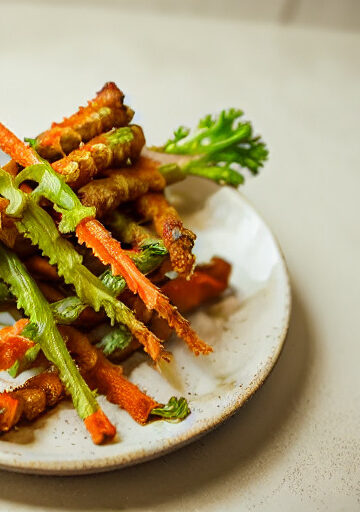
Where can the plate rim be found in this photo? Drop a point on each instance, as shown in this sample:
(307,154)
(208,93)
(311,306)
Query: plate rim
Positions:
(106,464)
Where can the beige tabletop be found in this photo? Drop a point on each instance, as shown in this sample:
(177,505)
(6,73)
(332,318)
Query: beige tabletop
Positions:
(294,68)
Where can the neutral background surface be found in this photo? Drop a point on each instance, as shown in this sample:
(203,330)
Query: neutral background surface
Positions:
(293,66)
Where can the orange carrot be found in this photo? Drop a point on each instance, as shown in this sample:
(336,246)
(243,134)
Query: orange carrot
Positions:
(10,411)
(109,251)
(15,148)
(178,240)
(101,114)
(108,380)
(14,329)
(100,428)
(13,346)
(207,282)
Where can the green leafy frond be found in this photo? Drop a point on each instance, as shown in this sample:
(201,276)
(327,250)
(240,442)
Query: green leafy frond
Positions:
(52,186)
(30,299)
(115,340)
(175,410)
(220,147)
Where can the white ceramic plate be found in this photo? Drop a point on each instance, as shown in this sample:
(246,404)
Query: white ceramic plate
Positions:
(247,328)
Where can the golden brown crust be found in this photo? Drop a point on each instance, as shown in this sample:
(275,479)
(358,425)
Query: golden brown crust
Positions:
(81,165)
(30,400)
(121,186)
(101,114)
(178,240)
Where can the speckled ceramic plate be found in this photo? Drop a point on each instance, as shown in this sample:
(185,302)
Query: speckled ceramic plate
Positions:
(246,327)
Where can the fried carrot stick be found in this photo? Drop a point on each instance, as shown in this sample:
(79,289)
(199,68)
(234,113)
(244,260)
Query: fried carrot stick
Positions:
(10,411)
(101,114)
(109,381)
(207,282)
(109,251)
(106,377)
(13,346)
(122,185)
(178,240)
(20,152)
(107,150)
(29,400)
(128,230)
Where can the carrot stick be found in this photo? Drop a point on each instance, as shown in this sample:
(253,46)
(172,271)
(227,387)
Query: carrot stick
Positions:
(14,147)
(118,390)
(100,428)
(10,411)
(13,346)
(207,282)
(101,114)
(178,240)
(109,251)
(106,377)
(30,400)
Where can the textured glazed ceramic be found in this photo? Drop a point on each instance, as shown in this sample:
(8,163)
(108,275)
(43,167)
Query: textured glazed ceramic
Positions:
(246,327)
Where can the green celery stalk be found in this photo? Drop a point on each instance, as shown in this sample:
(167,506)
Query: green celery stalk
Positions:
(44,330)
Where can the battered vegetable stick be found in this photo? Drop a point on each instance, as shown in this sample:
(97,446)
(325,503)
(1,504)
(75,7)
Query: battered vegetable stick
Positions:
(109,149)
(108,380)
(101,114)
(106,377)
(29,400)
(178,240)
(122,185)
(109,251)
(207,282)
(48,382)
(127,230)
(44,331)
(13,346)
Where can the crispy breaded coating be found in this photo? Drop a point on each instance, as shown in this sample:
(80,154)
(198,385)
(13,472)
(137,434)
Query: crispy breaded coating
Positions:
(121,186)
(207,282)
(29,400)
(107,378)
(49,383)
(79,347)
(33,402)
(101,114)
(111,149)
(178,240)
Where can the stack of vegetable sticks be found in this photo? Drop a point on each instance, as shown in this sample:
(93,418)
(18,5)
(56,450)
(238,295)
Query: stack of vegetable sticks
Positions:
(132,284)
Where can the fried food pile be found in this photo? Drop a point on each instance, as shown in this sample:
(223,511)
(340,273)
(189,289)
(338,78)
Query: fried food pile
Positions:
(96,260)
